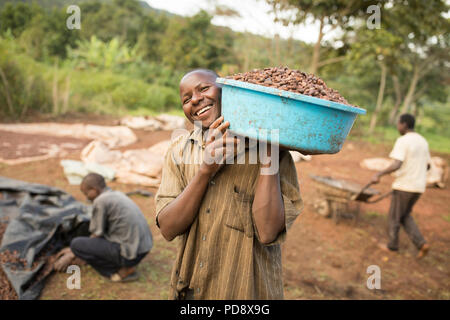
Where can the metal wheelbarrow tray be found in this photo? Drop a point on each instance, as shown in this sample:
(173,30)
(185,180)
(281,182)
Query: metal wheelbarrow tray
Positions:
(335,195)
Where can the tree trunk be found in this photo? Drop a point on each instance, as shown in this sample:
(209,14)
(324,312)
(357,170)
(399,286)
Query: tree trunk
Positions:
(373,119)
(414,109)
(66,95)
(277,49)
(398,99)
(247,54)
(6,89)
(55,93)
(316,50)
(412,88)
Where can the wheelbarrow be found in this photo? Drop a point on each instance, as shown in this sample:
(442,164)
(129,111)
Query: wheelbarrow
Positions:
(336,195)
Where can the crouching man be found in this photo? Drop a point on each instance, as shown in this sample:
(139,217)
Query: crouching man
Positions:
(120,236)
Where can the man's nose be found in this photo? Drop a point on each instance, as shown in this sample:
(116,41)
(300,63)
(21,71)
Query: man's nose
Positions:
(196,98)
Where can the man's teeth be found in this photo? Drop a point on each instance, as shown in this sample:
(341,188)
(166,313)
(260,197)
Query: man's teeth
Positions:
(203,110)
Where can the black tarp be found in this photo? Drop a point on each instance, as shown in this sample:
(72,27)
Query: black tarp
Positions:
(42,220)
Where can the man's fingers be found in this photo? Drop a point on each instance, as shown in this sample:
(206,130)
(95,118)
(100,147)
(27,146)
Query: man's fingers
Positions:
(216,133)
(213,130)
(216,122)
(223,142)
(223,126)
(223,152)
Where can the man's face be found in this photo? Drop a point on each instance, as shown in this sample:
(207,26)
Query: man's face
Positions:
(90,193)
(200,97)
(402,127)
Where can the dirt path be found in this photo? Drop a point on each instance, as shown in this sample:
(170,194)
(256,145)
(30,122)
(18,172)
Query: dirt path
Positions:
(321,260)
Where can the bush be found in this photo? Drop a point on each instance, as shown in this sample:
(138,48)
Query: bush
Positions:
(21,89)
(111,93)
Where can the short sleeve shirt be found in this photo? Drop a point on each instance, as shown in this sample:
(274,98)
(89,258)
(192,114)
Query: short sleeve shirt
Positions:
(412,150)
(118,219)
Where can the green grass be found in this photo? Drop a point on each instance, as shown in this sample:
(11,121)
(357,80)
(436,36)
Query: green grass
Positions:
(373,214)
(388,135)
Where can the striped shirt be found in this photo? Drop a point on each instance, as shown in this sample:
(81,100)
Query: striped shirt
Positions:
(220,255)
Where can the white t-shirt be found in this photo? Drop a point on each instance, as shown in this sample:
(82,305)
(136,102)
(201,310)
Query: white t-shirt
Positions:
(412,150)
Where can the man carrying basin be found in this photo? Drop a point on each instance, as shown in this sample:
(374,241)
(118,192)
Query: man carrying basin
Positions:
(411,162)
(230,219)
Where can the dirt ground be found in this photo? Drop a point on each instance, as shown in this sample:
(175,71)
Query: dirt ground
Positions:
(321,259)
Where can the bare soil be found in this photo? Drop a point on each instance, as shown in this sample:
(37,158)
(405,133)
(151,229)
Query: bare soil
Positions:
(321,259)
(17,145)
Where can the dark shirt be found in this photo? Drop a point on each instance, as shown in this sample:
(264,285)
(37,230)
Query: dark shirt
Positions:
(118,219)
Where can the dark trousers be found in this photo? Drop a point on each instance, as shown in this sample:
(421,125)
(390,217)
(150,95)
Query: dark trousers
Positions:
(103,255)
(402,203)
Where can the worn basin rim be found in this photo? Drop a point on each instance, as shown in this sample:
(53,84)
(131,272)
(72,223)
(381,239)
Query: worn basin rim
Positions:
(290,95)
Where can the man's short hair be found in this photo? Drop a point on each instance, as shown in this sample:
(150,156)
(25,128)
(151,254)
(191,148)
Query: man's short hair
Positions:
(408,119)
(203,70)
(212,72)
(94,181)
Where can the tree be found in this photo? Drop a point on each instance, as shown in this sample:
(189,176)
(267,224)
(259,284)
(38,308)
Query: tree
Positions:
(331,14)
(17,17)
(194,42)
(102,55)
(126,20)
(425,34)
(380,46)
(47,35)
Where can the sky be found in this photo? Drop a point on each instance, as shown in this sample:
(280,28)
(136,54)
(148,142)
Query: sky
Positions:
(254,17)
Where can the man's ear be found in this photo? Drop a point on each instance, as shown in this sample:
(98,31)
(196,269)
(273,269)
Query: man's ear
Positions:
(92,193)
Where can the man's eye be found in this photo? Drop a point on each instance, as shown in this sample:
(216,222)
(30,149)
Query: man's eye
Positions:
(186,101)
(204,89)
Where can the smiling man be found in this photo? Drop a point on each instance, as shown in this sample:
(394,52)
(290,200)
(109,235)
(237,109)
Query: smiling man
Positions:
(201,96)
(229,218)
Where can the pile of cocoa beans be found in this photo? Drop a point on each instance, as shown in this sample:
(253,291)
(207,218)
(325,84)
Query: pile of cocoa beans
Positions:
(297,81)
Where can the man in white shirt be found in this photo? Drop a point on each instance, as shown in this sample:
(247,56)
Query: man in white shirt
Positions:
(411,162)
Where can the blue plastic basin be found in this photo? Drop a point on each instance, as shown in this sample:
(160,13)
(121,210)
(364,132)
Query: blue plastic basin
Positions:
(304,123)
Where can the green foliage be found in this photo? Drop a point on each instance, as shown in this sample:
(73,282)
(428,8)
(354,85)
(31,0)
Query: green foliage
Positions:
(98,54)
(124,19)
(46,35)
(129,57)
(111,93)
(16,18)
(194,42)
(22,88)
(388,135)
(334,12)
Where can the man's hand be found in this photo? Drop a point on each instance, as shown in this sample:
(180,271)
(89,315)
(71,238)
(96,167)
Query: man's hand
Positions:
(396,164)
(63,259)
(179,214)
(218,147)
